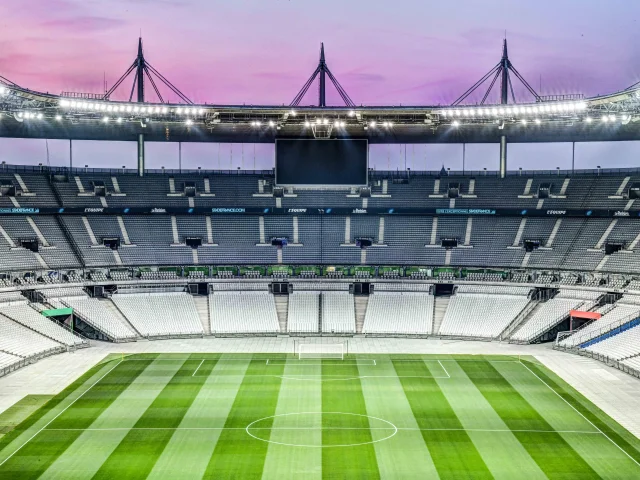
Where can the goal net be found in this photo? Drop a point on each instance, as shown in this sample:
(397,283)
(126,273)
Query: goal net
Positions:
(321,350)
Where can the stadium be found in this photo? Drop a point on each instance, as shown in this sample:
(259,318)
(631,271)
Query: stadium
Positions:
(320,318)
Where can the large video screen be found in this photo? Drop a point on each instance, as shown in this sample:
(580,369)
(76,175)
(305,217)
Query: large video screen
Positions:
(321,162)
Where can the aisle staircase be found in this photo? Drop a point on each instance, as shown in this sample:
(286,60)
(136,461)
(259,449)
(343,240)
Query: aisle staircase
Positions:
(202,307)
(521,320)
(361,302)
(116,311)
(439,309)
(282,309)
(529,311)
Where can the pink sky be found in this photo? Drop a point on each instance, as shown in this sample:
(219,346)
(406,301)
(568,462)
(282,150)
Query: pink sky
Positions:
(262,51)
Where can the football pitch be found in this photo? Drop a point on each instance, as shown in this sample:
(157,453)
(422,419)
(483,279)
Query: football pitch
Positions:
(243,416)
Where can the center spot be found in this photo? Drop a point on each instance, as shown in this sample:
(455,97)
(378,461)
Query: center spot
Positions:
(321,429)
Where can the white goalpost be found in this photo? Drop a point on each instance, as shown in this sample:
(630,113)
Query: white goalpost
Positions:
(321,350)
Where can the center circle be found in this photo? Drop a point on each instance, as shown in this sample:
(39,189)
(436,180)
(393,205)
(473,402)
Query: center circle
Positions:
(321,429)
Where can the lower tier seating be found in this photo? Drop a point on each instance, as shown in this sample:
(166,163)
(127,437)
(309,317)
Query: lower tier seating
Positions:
(481,315)
(338,312)
(304,312)
(404,313)
(95,313)
(30,318)
(22,342)
(243,312)
(160,314)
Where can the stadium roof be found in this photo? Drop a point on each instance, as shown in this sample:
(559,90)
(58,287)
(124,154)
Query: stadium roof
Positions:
(27,113)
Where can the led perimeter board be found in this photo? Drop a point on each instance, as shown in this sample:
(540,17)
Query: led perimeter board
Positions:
(302,162)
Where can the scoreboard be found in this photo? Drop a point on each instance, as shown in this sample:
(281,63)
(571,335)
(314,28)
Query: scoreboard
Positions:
(330,163)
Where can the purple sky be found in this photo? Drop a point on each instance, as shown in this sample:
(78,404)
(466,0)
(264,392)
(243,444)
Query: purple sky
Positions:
(262,51)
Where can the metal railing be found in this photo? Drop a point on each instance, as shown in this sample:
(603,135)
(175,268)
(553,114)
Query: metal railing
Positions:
(587,336)
(373,174)
(23,362)
(612,362)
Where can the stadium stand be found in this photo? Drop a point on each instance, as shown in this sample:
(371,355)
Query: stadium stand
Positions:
(621,311)
(338,313)
(618,346)
(30,318)
(553,311)
(95,313)
(243,313)
(304,312)
(404,313)
(483,312)
(164,314)
(23,342)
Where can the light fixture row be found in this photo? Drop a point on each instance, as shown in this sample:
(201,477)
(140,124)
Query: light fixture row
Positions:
(495,111)
(129,108)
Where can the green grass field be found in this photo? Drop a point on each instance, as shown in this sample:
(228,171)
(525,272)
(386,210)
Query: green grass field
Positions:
(223,416)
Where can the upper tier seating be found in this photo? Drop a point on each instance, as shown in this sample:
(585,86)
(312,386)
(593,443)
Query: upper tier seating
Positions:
(156,243)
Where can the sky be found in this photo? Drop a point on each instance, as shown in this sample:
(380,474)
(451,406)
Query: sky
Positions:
(262,51)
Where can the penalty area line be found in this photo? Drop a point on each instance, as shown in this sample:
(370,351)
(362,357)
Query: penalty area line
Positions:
(445,370)
(198,368)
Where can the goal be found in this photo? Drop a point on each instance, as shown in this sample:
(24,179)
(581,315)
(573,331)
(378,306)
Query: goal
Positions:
(321,350)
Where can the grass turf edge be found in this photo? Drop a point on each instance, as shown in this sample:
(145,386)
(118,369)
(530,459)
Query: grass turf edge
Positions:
(54,402)
(612,429)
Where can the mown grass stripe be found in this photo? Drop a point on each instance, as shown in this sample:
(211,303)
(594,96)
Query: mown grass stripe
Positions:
(501,451)
(453,452)
(345,397)
(37,456)
(300,391)
(83,458)
(188,452)
(603,456)
(404,455)
(139,450)
(555,457)
(237,455)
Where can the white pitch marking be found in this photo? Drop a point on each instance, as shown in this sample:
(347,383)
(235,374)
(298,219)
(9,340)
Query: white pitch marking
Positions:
(445,370)
(60,413)
(486,430)
(196,370)
(305,364)
(579,413)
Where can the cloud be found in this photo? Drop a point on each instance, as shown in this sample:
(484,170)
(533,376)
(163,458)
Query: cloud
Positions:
(84,24)
(364,77)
